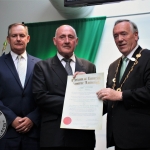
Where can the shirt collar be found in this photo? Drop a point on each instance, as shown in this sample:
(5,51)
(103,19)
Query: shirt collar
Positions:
(60,57)
(129,56)
(14,55)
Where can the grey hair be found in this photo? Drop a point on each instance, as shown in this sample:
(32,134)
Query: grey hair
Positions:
(133,25)
(16,24)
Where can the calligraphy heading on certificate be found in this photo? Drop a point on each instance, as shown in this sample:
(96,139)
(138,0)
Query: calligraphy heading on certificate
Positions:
(87,80)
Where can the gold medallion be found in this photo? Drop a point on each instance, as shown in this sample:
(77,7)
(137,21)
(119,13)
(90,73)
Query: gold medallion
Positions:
(138,55)
(118,89)
(114,79)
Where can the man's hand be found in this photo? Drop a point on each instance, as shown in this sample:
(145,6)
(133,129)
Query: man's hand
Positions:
(25,124)
(109,94)
(78,73)
(16,122)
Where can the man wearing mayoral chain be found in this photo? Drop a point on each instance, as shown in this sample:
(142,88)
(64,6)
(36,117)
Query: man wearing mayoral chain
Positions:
(127,96)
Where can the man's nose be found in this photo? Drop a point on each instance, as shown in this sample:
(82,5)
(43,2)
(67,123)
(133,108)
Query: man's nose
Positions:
(66,40)
(120,37)
(18,38)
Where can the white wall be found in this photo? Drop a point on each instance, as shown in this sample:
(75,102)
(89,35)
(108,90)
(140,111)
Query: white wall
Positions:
(42,10)
(27,11)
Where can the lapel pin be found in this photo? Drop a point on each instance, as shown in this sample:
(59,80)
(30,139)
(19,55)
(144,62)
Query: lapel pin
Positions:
(132,59)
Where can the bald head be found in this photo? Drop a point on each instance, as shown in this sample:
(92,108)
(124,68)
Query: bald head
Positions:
(65,40)
(65,26)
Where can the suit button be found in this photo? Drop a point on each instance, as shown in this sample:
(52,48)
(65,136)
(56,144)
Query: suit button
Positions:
(23,95)
(112,106)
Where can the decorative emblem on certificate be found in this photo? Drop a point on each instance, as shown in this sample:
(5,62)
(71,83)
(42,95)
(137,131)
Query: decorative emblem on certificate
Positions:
(3,125)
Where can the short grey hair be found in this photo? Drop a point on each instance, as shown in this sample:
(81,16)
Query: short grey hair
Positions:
(16,24)
(133,25)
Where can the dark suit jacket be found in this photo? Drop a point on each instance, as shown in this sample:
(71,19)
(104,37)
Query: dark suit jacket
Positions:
(15,100)
(129,120)
(49,85)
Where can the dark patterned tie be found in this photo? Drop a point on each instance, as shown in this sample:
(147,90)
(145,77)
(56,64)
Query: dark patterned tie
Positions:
(67,66)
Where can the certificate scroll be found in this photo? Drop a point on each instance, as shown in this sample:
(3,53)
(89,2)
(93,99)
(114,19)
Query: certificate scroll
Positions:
(82,108)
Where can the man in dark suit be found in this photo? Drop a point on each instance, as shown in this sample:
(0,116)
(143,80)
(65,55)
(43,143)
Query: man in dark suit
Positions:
(49,86)
(127,98)
(16,98)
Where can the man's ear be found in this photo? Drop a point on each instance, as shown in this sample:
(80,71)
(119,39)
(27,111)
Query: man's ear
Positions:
(136,36)
(28,38)
(54,40)
(8,39)
(77,41)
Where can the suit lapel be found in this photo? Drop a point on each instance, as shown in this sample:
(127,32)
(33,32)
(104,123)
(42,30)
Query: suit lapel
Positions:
(9,62)
(30,66)
(58,68)
(79,65)
(118,73)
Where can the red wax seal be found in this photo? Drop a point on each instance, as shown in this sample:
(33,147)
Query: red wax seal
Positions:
(67,120)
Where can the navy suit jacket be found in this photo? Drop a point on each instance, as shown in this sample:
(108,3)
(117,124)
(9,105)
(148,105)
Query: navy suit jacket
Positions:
(128,121)
(49,86)
(15,100)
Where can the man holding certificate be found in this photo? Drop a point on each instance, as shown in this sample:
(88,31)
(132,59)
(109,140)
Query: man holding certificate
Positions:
(49,86)
(127,96)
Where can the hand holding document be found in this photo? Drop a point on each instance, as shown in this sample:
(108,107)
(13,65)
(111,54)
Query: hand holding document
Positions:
(82,108)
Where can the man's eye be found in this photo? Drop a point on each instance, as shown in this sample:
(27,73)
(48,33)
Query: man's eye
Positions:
(71,37)
(115,36)
(123,33)
(62,37)
(22,35)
